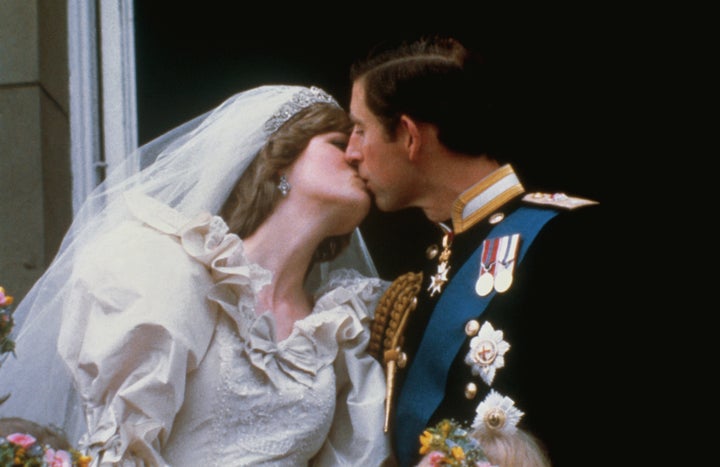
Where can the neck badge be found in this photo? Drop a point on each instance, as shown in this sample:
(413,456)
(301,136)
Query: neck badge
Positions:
(438,280)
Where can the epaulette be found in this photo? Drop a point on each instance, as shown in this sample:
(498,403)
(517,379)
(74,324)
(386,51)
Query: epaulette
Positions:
(560,200)
(386,332)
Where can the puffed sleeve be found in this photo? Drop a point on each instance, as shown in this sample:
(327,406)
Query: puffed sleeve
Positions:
(136,323)
(356,436)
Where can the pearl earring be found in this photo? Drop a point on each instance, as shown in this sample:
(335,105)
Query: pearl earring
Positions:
(284,186)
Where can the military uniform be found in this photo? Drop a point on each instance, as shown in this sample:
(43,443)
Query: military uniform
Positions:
(529,266)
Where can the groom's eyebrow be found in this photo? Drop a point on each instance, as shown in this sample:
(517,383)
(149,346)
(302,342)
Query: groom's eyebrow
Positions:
(354,119)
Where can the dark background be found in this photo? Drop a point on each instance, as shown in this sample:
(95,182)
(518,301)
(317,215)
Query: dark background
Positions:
(561,72)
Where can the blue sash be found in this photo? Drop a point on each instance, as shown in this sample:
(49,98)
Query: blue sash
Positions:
(424,387)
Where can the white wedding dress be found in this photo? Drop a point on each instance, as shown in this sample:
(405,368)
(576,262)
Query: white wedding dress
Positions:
(175,367)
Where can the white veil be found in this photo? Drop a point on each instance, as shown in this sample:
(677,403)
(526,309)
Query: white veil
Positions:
(192,168)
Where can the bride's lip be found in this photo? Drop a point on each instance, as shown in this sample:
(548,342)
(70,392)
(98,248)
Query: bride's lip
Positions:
(363,183)
(359,177)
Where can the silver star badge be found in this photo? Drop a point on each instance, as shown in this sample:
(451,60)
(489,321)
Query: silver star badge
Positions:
(486,354)
(439,279)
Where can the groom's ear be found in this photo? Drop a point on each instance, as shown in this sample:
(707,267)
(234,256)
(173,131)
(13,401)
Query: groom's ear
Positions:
(411,137)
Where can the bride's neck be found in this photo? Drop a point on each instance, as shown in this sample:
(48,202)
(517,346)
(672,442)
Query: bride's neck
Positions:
(286,251)
(285,248)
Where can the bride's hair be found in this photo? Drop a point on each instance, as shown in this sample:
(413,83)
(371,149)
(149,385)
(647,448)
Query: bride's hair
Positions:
(255,195)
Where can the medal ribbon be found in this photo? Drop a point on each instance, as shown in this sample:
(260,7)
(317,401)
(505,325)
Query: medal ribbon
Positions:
(424,387)
(489,255)
(508,251)
(509,246)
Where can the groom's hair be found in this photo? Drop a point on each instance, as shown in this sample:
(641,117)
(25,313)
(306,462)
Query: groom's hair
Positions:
(435,80)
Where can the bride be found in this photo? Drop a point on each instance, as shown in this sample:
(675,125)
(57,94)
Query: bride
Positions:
(201,310)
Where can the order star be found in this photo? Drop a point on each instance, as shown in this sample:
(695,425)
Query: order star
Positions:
(439,279)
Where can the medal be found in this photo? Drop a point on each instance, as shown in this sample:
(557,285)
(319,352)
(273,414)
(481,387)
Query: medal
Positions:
(485,281)
(438,280)
(484,284)
(497,261)
(503,279)
(507,250)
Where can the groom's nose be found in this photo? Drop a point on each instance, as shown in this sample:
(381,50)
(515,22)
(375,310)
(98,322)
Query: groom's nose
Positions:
(353,155)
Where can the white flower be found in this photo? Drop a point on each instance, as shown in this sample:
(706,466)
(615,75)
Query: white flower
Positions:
(486,353)
(497,413)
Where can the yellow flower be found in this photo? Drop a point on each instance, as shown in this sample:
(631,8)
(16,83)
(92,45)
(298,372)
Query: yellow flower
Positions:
(449,443)
(19,456)
(425,441)
(445,427)
(5,300)
(458,453)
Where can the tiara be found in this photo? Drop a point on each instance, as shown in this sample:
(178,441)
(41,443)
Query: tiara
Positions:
(300,100)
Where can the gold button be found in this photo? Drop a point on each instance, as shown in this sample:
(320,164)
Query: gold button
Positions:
(495,418)
(472,327)
(432,251)
(402,360)
(470,391)
(497,217)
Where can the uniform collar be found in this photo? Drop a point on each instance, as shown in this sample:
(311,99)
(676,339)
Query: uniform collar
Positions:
(485,197)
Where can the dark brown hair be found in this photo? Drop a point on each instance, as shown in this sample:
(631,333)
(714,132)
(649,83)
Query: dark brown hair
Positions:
(255,195)
(433,80)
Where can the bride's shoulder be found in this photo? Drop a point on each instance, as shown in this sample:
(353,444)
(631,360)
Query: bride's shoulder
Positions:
(353,281)
(350,289)
(133,252)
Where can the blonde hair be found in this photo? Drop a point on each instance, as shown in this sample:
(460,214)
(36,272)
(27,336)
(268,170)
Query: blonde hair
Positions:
(519,449)
(255,194)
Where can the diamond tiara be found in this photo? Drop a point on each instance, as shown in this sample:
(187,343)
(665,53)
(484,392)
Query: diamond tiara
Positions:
(300,100)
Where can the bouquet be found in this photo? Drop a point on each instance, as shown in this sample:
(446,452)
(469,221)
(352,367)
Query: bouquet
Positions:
(6,322)
(23,449)
(7,345)
(449,443)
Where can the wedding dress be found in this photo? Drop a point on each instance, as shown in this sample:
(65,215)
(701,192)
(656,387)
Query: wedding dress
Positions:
(141,340)
(209,384)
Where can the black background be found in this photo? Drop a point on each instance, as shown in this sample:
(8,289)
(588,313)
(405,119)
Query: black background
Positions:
(562,71)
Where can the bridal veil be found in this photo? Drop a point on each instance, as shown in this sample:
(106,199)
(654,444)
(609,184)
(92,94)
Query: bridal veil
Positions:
(191,168)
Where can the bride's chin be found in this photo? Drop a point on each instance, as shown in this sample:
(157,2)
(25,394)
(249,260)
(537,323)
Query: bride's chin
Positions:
(364,207)
(355,214)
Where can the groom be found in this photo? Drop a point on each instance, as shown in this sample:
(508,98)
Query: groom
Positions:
(510,297)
